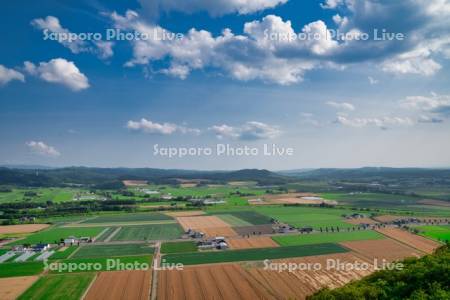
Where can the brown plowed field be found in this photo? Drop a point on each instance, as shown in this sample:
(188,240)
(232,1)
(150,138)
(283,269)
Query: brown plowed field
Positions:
(387,249)
(26,228)
(209,225)
(253,242)
(294,198)
(121,285)
(360,221)
(134,182)
(233,281)
(415,241)
(189,213)
(11,288)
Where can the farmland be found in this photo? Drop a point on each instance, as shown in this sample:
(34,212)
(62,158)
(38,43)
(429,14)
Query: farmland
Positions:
(64,253)
(125,218)
(70,287)
(440,233)
(148,232)
(89,251)
(415,241)
(55,234)
(178,247)
(253,254)
(39,195)
(20,269)
(249,216)
(308,239)
(11,288)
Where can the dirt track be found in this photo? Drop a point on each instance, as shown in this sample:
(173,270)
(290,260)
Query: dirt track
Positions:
(387,249)
(25,228)
(415,241)
(121,285)
(11,288)
(253,242)
(234,281)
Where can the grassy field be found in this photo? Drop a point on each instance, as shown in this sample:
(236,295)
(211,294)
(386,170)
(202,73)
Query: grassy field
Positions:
(55,234)
(99,264)
(106,234)
(233,221)
(437,232)
(20,269)
(64,254)
(129,217)
(113,250)
(307,216)
(252,254)
(68,287)
(178,247)
(249,216)
(318,238)
(41,195)
(149,232)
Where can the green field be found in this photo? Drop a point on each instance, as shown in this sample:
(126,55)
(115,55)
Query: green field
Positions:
(249,216)
(149,232)
(307,216)
(68,287)
(437,232)
(106,234)
(99,264)
(64,254)
(113,250)
(253,254)
(129,217)
(233,221)
(39,195)
(178,247)
(55,234)
(318,238)
(20,269)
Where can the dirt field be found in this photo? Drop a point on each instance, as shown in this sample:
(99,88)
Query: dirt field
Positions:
(189,213)
(387,249)
(209,225)
(360,221)
(252,230)
(122,285)
(415,241)
(26,228)
(253,242)
(235,281)
(295,198)
(11,288)
(134,182)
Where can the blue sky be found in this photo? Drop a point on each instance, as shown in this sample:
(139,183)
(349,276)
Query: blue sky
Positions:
(337,103)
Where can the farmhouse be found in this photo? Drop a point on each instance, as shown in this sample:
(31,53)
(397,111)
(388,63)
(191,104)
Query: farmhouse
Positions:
(41,247)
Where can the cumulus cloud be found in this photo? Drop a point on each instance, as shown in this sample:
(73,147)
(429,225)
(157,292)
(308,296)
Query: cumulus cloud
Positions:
(214,8)
(7,75)
(341,105)
(43,149)
(436,104)
(52,25)
(380,122)
(61,71)
(148,126)
(249,131)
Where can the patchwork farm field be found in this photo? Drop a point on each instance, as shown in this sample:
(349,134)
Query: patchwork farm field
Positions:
(252,254)
(124,218)
(149,232)
(20,269)
(133,285)
(436,232)
(89,251)
(307,216)
(415,241)
(178,247)
(317,238)
(55,234)
(63,253)
(39,195)
(11,288)
(249,216)
(67,286)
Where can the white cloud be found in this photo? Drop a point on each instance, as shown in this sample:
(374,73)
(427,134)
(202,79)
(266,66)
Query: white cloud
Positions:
(380,122)
(7,75)
(43,149)
(437,104)
(342,105)
(372,80)
(214,8)
(331,4)
(429,119)
(52,26)
(61,71)
(148,126)
(249,131)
